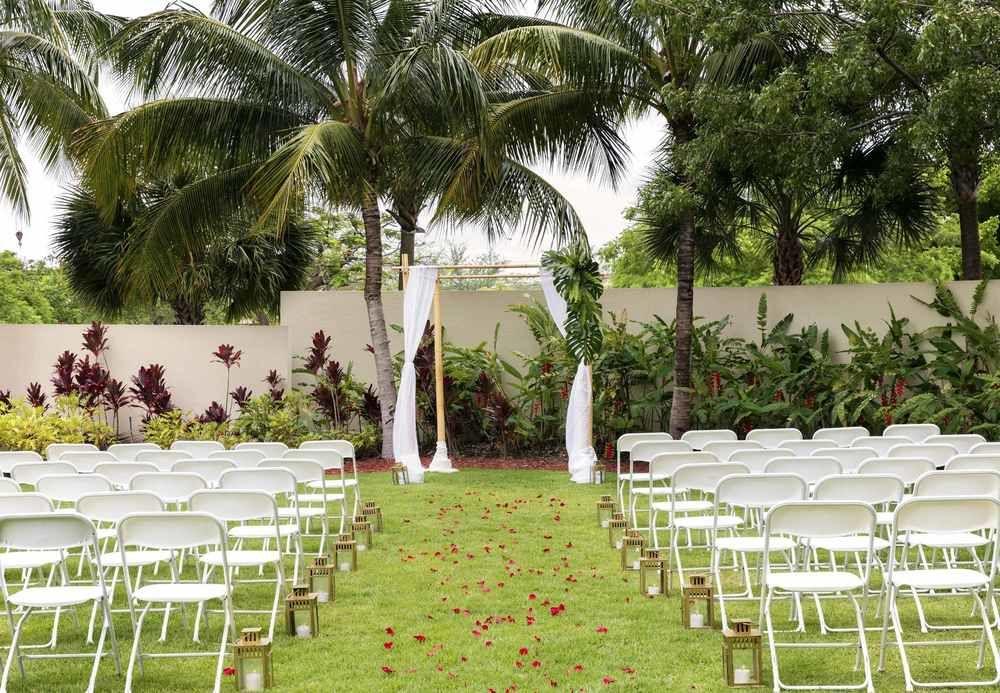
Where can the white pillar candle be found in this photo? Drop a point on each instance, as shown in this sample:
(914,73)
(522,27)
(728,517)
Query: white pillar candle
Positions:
(652,590)
(741,675)
(362,546)
(635,565)
(697,620)
(605,523)
(618,544)
(253,681)
(322,597)
(303,631)
(345,566)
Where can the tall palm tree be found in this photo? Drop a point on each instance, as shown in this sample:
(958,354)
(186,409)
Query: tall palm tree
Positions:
(350,104)
(48,85)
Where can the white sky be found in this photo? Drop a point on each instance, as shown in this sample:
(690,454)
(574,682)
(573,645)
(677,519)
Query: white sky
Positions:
(600,207)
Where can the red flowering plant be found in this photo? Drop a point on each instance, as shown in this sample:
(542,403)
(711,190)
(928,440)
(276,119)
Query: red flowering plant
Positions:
(229,356)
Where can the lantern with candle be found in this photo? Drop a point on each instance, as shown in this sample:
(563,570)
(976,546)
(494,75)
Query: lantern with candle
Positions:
(252,657)
(361,528)
(345,554)
(373,514)
(631,552)
(616,533)
(302,612)
(321,580)
(605,508)
(652,574)
(697,602)
(400,475)
(742,655)
(597,473)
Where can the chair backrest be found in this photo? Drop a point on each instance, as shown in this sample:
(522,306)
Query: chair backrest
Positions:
(815,519)
(841,436)
(908,469)
(757,459)
(760,490)
(704,477)
(121,473)
(171,487)
(948,515)
(9,485)
(28,473)
(270,449)
(698,439)
(236,506)
(880,444)
(171,530)
(875,489)
(774,437)
(46,531)
(967,483)
(56,450)
(647,450)
(627,441)
(24,503)
(304,471)
(724,449)
(245,459)
(126,452)
(850,458)
(163,459)
(963,442)
(112,507)
(68,488)
(197,448)
(915,433)
(804,448)
(812,469)
(985,449)
(208,469)
(328,459)
(974,461)
(344,447)
(273,480)
(938,453)
(86,462)
(666,463)
(9,458)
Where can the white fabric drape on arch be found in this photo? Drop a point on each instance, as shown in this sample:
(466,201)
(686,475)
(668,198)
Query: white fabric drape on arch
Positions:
(579,448)
(417,301)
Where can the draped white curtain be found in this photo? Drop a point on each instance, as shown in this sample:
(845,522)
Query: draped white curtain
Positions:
(417,301)
(578,411)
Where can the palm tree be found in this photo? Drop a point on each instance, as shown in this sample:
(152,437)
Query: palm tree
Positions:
(351,105)
(48,85)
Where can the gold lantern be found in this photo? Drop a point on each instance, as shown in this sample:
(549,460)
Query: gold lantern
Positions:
(616,533)
(362,531)
(252,660)
(345,554)
(373,514)
(321,580)
(631,551)
(742,654)
(302,612)
(605,508)
(617,515)
(597,473)
(400,475)
(697,602)
(652,574)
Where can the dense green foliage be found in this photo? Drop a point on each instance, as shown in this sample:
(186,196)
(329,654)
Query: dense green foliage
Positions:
(24,427)
(36,292)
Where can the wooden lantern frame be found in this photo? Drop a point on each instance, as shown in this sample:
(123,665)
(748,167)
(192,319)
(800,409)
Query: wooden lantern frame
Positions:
(741,637)
(321,574)
(597,473)
(698,590)
(633,545)
(400,475)
(652,564)
(605,509)
(345,545)
(299,602)
(252,647)
(617,529)
(361,525)
(373,514)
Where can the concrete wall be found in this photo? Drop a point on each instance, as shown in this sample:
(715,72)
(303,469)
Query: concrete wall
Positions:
(470,317)
(29,352)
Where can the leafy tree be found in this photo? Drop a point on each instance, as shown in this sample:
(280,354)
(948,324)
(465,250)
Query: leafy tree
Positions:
(36,292)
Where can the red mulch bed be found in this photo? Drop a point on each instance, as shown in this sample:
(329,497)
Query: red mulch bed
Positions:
(549,463)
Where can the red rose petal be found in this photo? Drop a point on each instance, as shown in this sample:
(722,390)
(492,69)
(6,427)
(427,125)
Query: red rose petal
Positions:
(387,645)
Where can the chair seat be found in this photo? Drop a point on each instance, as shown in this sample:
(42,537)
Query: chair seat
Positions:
(696,506)
(654,491)
(181,592)
(48,597)
(848,544)
(940,578)
(640,476)
(113,559)
(303,512)
(242,558)
(707,522)
(815,581)
(21,560)
(943,540)
(753,544)
(333,483)
(261,531)
(318,497)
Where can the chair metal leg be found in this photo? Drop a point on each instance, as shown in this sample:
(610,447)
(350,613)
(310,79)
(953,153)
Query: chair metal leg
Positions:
(14,651)
(136,654)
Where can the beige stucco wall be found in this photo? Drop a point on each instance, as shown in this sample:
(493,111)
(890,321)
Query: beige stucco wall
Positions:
(470,317)
(29,352)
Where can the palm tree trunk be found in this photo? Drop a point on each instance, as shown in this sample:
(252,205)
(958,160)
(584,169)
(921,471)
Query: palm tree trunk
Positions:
(789,266)
(680,408)
(407,218)
(187,312)
(964,173)
(376,317)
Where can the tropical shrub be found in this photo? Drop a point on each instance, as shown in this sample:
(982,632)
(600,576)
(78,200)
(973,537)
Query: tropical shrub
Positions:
(25,427)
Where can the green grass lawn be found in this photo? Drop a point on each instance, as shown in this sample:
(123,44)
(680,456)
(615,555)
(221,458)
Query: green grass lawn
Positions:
(457,595)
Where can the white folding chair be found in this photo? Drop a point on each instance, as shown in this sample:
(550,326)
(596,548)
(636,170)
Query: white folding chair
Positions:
(850,458)
(311,503)
(908,469)
(985,449)
(880,444)
(803,448)
(958,515)
(963,442)
(85,462)
(243,459)
(344,447)
(175,532)
(644,452)
(811,469)
(841,436)
(239,509)
(725,449)
(173,488)
(757,459)
(197,448)
(953,482)
(938,453)
(9,458)
(698,439)
(773,437)
(810,521)
(330,460)
(56,450)
(661,469)
(752,493)
(625,444)
(60,533)
(9,485)
(163,459)
(64,490)
(914,433)
(974,461)
(268,449)
(126,452)
(207,468)
(121,473)
(28,473)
